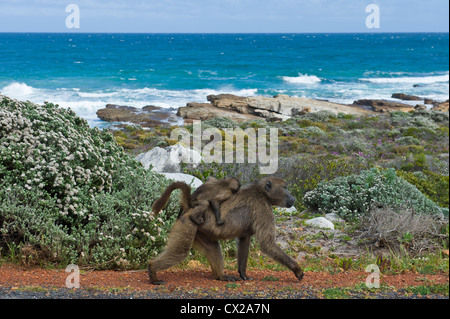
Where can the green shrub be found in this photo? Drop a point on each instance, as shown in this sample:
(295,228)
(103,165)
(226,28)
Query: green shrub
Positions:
(314,131)
(220,122)
(320,116)
(433,185)
(353,196)
(305,173)
(408,140)
(416,162)
(72,193)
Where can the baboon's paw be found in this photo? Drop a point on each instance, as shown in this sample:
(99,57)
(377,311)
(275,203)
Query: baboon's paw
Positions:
(230,278)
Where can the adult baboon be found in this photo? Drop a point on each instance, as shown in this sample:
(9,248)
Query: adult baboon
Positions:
(211,193)
(247,213)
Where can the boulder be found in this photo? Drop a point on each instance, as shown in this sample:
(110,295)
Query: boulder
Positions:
(292,105)
(419,107)
(384,106)
(320,222)
(180,177)
(271,116)
(168,160)
(406,97)
(229,101)
(265,103)
(148,116)
(206,111)
(333,217)
(278,108)
(440,106)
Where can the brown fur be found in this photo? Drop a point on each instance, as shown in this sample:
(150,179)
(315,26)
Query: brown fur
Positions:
(211,194)
(185,201)
(247,213)
(180,241)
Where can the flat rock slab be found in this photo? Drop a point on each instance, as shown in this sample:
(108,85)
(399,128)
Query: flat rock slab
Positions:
(148,116)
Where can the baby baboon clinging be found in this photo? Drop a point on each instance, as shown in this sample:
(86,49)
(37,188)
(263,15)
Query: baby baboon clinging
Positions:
(212,193)
(247,213)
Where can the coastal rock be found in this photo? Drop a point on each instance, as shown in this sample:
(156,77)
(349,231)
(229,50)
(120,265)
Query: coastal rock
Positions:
(206,111)
(443,106)
(168,160)
(320,222)
(229,101)
(148,116)
(278,108)
(271,116)
(265,103)
(384,106)
(406,97)
(420,107)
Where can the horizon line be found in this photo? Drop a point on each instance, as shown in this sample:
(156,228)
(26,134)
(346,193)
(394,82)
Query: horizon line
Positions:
(123,32)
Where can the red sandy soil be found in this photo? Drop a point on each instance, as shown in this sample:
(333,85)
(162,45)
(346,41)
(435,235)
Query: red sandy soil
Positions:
(14,277)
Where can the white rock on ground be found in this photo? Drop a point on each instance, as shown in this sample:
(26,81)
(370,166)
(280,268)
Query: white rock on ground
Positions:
(332,217)
(320,222)
(169,159)
(180,177)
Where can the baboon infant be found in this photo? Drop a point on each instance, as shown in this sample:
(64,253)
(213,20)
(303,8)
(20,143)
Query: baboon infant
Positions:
(212,193)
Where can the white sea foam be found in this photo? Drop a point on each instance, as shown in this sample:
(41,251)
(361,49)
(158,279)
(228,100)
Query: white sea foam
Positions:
(301,79)
(85,104)
(409,79)
(17,90)
(97,94)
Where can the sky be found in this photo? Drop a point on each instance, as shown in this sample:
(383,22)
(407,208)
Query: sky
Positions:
(223,16)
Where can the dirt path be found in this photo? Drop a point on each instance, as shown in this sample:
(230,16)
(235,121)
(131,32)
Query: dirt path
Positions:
(17,282)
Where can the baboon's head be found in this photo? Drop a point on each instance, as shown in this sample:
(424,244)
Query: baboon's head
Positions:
(275,189)
(225,188)
(233,184)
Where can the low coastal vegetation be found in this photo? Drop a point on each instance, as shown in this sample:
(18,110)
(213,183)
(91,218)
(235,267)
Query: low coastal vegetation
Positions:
(72,194)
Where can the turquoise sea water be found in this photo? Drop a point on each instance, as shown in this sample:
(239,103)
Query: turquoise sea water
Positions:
(87,71)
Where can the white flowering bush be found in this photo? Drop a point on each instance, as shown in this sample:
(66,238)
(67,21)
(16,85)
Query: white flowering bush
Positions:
(72,193)
(353,196)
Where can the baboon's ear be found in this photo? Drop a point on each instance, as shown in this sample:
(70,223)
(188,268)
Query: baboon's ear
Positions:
(268,186)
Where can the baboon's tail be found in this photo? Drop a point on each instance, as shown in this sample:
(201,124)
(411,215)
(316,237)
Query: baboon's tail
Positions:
(185,200)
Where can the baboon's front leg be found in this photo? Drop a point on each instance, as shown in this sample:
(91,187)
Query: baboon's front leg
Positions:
(242,255)
(269,247)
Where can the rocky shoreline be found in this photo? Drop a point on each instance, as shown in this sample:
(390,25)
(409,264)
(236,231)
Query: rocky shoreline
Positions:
(281,107)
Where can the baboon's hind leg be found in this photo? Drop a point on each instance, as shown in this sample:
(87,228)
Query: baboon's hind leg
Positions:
(179,243)
(213,253)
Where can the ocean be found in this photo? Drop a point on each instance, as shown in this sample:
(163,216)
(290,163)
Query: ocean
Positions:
(87,71)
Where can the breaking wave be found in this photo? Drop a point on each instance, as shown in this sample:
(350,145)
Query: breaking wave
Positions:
(301,79)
